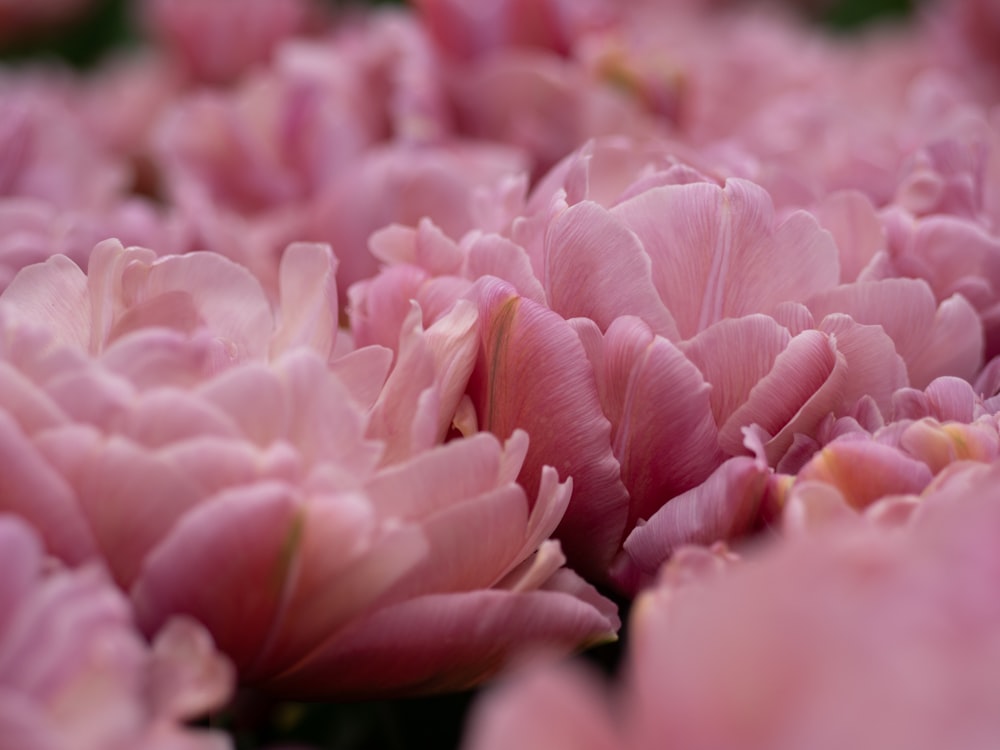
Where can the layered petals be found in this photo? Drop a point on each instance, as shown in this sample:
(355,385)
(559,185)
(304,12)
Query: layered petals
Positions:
(509,391)
(716,251)
(75,672)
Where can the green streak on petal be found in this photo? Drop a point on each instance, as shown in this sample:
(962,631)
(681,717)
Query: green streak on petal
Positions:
(289,551)
(503,323)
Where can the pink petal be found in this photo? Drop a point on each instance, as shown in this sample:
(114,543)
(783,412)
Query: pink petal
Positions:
(851,218)
(864,471)
(663,431)
(717,253)
(724,506)
(533,374)
(245,542)
(188,677)
(805,384)
(52,294)
(493,255)
(443,642)
(734,355)
(32,488)
(227,298)
(928,338)
(553,708)
(596,268)
(308,299)
(874,369)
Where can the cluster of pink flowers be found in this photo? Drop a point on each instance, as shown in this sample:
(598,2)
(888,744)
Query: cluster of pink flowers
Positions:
(348,356)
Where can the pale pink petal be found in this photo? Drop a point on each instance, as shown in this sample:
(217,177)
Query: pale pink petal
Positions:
(864,471)
(595,267)
(734,355)
(425,246)
(131,500)
(418,402)
(308,299)
(161,417)
(254,399)
(52,294)
(436,479)
(188,677)
(226,297)
(718,253)
(379,307)
(363,372)
(31,487)
(551,708)
(939,445)
(851,218)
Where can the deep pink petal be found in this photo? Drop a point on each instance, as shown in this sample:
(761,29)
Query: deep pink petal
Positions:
(724,506)
(533,374)
(246,541)
(443,642)
(663,431)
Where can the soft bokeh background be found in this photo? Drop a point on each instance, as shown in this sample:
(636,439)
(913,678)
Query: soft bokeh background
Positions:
(255,720)
(104,24)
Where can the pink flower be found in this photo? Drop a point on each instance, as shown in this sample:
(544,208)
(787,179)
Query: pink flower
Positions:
(45,152)
(164,420)
(468,30)
(673,284)
(855,636)
(218,40)
(75,673)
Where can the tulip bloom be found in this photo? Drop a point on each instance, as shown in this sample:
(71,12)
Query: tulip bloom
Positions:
(852,636)
(163,419)
(76,673)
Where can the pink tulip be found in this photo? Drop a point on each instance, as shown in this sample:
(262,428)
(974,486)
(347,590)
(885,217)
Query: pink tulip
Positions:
(893,628)
(75,673)
(217,41)
(666,304)
(45,152)
(468,30)
(32,230)
(158,416)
